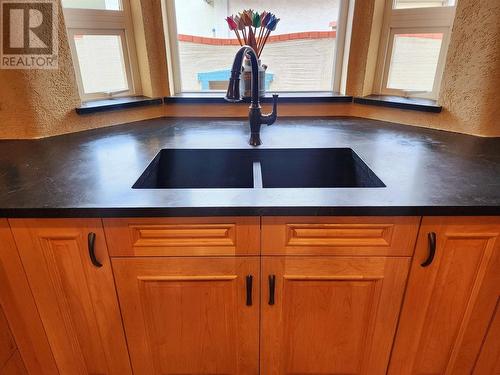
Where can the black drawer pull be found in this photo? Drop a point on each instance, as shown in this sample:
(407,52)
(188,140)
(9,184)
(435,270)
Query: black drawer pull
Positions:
(432,249)
(91,243)
(249,290)
(272,287)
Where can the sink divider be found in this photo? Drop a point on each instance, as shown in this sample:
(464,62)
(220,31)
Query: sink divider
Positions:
(257,175)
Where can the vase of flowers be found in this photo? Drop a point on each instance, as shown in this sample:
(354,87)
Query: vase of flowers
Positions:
(253,29)
(246,79)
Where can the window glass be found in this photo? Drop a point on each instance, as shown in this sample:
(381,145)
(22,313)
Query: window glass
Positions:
(93,4)
(299,54)
(406,4)
(101,62)
(414,61)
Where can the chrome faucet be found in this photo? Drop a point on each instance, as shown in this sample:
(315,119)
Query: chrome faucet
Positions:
(255,115)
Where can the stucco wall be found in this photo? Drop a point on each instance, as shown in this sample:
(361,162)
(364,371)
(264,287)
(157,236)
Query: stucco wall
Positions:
(36,103)
(471,80)
(40,103)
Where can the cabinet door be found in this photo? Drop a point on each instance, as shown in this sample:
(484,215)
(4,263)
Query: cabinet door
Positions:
(450,318)
(331,315)
(190,315)
(76,300)
(20,309)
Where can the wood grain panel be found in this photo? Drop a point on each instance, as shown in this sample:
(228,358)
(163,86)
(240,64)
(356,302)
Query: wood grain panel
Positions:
(339,235)
(211,236)
(332,315)
(20,309)
(7,343)
(189,315)
(449,305)
(488,361)
(14,366)
(76,301)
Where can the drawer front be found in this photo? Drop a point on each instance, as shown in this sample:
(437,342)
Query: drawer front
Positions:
(339,235)
(209,236)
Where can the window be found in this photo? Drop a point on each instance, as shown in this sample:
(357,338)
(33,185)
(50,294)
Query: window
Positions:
(413,47)
(304,53)
(102,46)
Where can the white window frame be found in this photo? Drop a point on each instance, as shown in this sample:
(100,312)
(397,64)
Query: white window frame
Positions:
(412,21)
(172,46)
(105,22)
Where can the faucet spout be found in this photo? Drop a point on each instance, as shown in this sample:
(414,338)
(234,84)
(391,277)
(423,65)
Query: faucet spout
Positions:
(255,116)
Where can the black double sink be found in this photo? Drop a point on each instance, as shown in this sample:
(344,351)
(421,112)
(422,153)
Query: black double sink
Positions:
(257,168)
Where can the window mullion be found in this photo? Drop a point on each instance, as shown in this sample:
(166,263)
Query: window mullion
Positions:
(94,19)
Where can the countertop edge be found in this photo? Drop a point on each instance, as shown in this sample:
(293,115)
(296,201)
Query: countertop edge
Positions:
(248,211)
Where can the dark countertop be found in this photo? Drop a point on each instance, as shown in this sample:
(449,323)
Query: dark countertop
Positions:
(90,174)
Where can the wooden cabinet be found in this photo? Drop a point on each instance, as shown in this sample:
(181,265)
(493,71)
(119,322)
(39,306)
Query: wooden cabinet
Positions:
(190,315)
(325,297)
(21,311)
(329,235)
(76,301)
(10,360)
(183,236)
(331,315)
(450,322)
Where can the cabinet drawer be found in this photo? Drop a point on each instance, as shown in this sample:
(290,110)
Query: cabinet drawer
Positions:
(339,235)
(208,236)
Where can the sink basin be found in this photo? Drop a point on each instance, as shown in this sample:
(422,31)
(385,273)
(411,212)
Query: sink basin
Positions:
(316,168)
(197,169)
(257,168)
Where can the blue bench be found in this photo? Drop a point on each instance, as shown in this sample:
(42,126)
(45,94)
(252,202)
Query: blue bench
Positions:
(223,75)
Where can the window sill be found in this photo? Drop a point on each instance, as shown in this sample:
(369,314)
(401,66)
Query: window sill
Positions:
(284,97)
(414,104)
(112,104)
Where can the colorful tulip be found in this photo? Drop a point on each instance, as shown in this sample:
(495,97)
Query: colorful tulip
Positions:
(262,15)
(259,26)
(266,19)
(271,26)
(232,25)
(256,20)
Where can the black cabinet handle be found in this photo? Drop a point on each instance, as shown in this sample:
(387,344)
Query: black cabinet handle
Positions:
(432,249)
(91,243)
(249,290)
(272,287)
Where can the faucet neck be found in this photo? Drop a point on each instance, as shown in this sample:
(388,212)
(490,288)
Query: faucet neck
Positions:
(254,63)
(233,89)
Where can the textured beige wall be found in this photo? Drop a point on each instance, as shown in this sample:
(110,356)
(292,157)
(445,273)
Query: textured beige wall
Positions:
(471,80)
(469,90)
(40,103)
(367,27)
(360,44)
(150,44)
